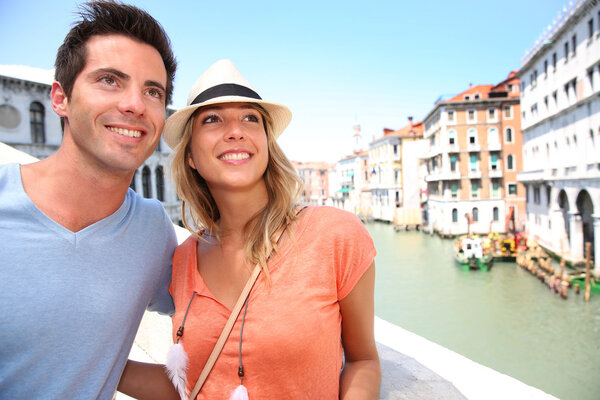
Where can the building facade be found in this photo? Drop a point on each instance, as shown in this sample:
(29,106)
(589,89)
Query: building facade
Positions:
(315,176)
(353,193)
(473,158)
(560,86)
(28,123)
(387,172)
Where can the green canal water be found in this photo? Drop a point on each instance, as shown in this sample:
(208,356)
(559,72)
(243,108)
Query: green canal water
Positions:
(504,319)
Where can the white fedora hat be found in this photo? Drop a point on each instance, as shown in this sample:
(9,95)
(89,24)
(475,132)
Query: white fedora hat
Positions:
(222,83)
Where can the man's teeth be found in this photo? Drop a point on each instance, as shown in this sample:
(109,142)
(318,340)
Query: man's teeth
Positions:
(126,132)
(234,156)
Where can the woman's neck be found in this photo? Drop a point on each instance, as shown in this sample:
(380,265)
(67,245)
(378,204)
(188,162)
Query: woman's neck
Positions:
(237,209)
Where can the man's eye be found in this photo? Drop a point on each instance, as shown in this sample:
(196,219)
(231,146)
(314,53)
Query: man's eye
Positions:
(108,80)
(156,93)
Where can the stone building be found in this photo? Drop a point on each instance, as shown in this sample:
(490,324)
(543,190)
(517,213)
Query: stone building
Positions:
(315,176)
(473,158)
(28,123)
(388,164)
(560,102)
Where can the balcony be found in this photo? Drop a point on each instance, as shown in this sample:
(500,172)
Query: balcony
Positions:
(452,148)
(434,151)
(495,172)
(494,146)
(471,147)
(475,174)
(450,176)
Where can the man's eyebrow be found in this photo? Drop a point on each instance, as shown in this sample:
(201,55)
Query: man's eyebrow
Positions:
(124,76)
(155,84)
(113,71)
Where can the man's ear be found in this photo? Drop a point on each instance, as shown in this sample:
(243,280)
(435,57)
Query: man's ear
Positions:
(59,99)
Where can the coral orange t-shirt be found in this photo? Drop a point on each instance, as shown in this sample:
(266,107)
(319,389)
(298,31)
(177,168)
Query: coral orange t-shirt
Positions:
(291,345)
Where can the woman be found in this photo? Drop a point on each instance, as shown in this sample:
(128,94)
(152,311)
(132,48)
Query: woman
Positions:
(309,316)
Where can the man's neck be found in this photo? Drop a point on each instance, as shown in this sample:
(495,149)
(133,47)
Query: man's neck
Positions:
(72,195)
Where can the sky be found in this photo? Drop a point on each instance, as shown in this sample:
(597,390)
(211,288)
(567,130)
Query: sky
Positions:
(333,63)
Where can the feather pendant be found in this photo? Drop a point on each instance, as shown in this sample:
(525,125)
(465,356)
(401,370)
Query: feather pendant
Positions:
(177,363)
(240,393)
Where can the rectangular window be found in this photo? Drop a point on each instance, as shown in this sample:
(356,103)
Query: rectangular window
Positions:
(507,112)
(554,62)
(545,68)
(471,115)
(512,189)
(590,28)
(473,163)
(453,163)
(494,163)
(454,190)
(574,45)
(495,189)
(474,188)
(451,116)
(536,195)
(566,51)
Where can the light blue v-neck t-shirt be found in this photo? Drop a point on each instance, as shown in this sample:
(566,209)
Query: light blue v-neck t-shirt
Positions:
(71,302)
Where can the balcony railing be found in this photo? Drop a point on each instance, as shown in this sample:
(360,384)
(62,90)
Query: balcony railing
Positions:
(476,174)
(495,173)
(473,147)
(494,146)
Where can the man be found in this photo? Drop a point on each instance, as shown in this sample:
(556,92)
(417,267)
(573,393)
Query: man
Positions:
(81,255)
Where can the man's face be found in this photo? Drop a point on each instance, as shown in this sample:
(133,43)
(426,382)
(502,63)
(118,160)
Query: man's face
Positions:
(116,112)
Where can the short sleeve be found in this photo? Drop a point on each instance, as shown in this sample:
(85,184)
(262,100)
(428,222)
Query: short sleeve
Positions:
(353,247)
(162,302)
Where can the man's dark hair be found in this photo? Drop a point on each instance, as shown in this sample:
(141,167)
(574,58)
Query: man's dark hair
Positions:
(106,18)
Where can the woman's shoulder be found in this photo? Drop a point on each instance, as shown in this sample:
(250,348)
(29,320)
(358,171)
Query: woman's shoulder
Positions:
(332,217)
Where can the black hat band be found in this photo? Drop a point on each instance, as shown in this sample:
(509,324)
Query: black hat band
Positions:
(225,89)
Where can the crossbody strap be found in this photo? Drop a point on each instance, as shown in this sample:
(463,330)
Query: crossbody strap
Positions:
(225,333)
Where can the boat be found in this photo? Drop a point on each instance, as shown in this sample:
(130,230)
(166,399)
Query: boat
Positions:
(469,254)
(580,280)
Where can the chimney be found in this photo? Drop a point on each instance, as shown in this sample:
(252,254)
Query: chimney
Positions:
(410,119)
(470,85)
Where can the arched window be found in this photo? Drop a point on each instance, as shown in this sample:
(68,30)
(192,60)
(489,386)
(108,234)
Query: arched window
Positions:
(475,214)
(496,214)
(510,162)
(36,119)
(132,183)
(508,135)
(160,183)
(146,182)
(454,215)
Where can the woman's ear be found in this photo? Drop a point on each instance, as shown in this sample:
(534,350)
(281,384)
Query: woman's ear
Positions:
(190,161)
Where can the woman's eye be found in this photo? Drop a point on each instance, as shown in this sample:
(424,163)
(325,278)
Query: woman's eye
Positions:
(210,119)
(252,118)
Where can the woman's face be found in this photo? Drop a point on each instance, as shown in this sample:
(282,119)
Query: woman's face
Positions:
(228,147)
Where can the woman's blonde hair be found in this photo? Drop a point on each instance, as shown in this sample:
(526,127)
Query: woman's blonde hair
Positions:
(283,188)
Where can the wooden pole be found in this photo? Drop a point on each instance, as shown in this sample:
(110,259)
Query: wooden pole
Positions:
(588,253)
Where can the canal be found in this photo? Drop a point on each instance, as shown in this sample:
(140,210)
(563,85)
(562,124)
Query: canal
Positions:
(504,319)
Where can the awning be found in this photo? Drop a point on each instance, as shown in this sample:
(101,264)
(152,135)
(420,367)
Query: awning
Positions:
(344,190)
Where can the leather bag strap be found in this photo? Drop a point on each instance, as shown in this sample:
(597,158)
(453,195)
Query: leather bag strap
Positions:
(225,333)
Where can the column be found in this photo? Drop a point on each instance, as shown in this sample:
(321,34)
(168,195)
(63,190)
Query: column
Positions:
(596,245)
(576,237)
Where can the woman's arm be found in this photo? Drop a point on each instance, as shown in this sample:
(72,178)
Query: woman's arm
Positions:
(146,382)
(361,376)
